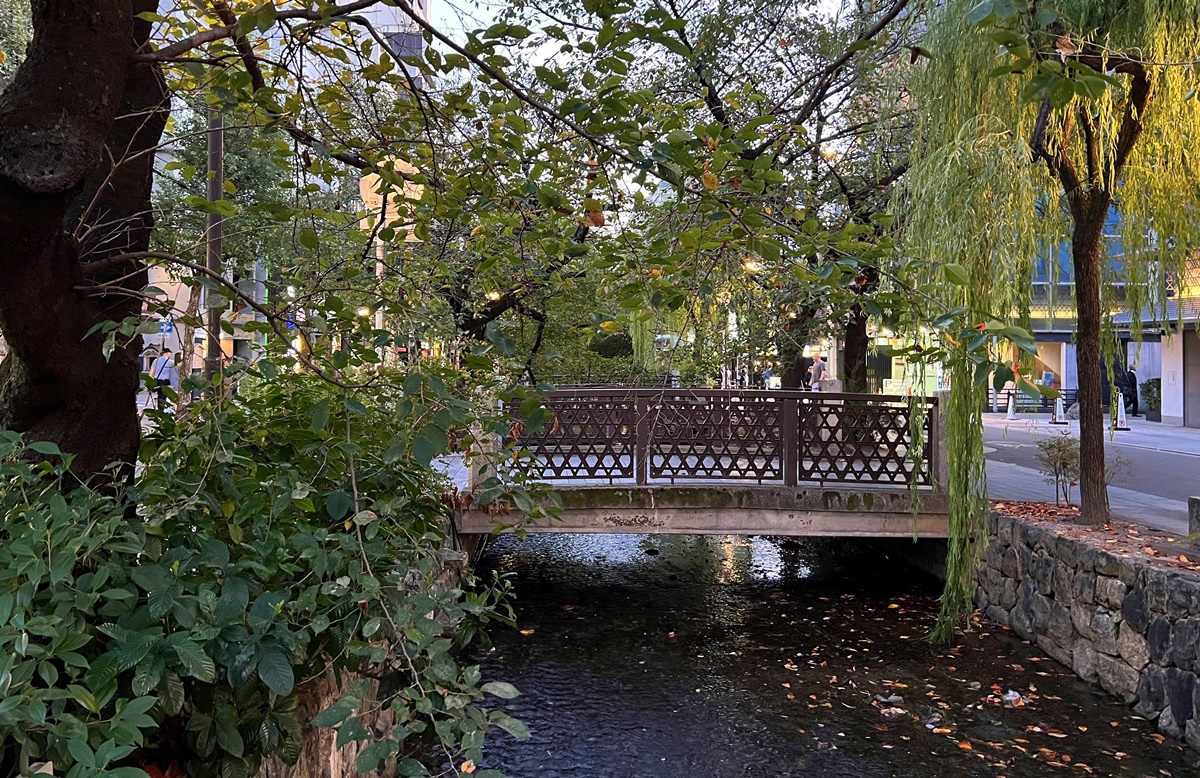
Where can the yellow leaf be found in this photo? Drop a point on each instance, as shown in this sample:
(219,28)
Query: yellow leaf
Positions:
(2,57)
(467,767)
(710,181)
(527,631)
(965,746)
(478,229)
(609,326)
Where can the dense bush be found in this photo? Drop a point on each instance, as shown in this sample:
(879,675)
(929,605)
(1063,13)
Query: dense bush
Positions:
(278,536)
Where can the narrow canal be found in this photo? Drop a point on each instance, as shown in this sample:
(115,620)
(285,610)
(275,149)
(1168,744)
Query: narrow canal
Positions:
(646,656)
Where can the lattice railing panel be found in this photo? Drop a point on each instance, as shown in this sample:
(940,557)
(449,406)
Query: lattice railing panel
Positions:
(584,438)
(786,437)
(734,437)
(858,442)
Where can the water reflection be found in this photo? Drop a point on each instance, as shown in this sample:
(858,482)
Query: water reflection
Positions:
(705,656)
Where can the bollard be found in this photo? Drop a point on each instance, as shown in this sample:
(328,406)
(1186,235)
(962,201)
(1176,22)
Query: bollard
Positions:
(1119,423)
(1059,416)
(1193,515)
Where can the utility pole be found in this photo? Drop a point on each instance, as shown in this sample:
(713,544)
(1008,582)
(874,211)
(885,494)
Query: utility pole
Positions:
(214,233)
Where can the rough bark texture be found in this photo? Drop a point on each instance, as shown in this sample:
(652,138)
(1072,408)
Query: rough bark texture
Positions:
(1085,254)
(74,189)
(320,756)
(855,350)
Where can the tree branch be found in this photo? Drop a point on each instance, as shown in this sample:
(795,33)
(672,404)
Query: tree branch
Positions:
(229,29)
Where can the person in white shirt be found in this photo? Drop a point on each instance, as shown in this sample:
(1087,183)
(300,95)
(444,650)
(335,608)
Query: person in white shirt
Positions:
(161,372)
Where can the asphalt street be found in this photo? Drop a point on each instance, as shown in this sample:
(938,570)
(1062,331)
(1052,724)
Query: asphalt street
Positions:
(1171,474)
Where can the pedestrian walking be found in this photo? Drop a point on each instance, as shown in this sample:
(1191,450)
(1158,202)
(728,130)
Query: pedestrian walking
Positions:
(1131,381)
(160,372)
(816,373)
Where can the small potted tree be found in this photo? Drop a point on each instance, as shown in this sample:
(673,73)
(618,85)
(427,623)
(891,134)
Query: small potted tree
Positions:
(1152,399)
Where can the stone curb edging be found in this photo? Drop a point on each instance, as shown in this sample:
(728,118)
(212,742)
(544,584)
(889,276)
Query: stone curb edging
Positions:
(1128,625)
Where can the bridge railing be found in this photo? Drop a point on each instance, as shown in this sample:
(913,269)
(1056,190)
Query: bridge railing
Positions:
(655,436)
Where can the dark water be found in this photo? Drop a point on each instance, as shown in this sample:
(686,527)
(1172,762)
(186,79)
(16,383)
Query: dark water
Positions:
(693,656)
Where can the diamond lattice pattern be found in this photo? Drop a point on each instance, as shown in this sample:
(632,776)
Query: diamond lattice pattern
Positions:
(715,438)
(841,441)
(586,438)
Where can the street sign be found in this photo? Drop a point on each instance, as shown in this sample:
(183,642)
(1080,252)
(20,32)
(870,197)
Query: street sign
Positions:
(166,327)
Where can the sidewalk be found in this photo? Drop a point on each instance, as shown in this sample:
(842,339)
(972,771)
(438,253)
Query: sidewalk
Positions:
(1008,481)
(1143,434)
(1013,482)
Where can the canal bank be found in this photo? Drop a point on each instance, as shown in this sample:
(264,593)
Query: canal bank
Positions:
(719,656)
(1120,609)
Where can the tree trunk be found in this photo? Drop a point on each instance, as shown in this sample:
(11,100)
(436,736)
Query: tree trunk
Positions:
(854,353)
(59,136)
(1085,255)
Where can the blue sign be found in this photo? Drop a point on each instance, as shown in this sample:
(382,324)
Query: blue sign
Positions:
(166,327)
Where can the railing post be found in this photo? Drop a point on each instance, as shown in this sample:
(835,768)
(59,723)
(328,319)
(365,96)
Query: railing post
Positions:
(641,445)
(790,456)
(939,461)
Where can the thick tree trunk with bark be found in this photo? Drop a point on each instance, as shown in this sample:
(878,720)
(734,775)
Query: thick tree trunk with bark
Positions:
(78,125)
(1085,255)
(855,350)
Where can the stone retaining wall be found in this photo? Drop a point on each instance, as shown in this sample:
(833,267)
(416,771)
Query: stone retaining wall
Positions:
(1130,626)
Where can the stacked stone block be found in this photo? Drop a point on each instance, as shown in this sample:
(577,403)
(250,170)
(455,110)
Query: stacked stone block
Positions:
(1130,626)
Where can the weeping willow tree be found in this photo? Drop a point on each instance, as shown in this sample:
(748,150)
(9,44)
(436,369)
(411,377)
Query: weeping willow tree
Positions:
(976,273)
(1065,115)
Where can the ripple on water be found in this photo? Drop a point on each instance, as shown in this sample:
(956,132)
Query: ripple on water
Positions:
(726,656)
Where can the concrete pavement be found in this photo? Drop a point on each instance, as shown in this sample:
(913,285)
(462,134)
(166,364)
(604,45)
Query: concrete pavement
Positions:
(1162,468)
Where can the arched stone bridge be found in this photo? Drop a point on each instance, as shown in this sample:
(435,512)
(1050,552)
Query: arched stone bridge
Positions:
(743,462)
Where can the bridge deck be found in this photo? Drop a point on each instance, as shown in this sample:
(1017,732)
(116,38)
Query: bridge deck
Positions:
(729,509)
(734,462)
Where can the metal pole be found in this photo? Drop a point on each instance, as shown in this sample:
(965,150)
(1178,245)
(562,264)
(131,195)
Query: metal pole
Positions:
(213,235)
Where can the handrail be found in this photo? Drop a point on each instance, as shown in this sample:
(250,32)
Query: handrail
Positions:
(788,437)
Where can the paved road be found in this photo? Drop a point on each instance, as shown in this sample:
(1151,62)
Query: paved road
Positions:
(1171,474)
(1161,470)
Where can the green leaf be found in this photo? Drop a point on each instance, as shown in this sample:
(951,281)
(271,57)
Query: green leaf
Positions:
(84,697)
(195,662)
(320,415)
(338,504)
(956,274)
(1001,376)
(422,450)
(331,716)
(46,447)
(514,727)
(981,12)
(275,671)
(228,737)
(501,689)
(308,238)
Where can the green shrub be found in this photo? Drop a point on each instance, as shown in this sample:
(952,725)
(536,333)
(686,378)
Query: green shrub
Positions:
(1152,394)
(68,560)
(279,535)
